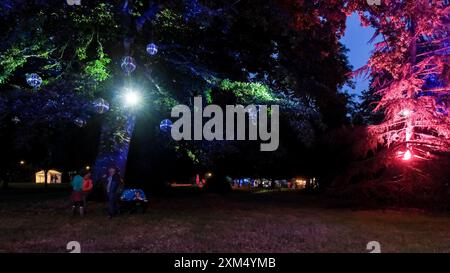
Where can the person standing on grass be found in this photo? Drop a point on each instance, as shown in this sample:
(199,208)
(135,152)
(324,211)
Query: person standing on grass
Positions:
(112,182)
(77,194)
(87,187)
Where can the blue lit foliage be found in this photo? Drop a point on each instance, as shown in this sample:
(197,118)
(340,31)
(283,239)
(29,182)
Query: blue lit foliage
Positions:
(115,143)
(5,6)
(148,15)
(434,82)
(202,41)
(193,9)
(49,108)
(3,109)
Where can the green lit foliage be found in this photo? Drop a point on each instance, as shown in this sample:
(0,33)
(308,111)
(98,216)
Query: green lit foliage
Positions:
(101,16)
(166,102)
(12,59)
(212,54)
(98,69)
(192,156)
(208,96)
(169,20)
(17,55)
(189,152)
(95,21)
(247,92)
(81,50)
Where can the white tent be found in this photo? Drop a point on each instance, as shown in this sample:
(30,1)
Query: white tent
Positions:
(53,177)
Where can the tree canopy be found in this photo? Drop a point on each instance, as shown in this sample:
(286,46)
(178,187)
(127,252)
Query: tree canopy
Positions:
(225,51)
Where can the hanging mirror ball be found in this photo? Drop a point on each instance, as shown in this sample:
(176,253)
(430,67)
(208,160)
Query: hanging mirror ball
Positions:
(34,80)
(128,65)
(80,122)
(100,106)
(165,125)
(15,120)
(152,49)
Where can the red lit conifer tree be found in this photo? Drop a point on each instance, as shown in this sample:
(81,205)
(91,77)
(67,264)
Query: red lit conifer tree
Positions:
(410,68)
(410,80)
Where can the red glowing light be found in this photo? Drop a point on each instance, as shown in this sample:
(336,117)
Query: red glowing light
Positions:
(407,156)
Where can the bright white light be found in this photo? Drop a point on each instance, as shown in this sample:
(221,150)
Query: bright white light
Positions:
(407,156)
(131,97)
(406,113)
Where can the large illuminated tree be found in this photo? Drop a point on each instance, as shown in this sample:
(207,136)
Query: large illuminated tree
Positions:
(410,68)
(205,47)
(404,156)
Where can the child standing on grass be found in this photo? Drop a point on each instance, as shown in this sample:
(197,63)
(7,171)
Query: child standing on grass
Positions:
(87,187)
(77,194)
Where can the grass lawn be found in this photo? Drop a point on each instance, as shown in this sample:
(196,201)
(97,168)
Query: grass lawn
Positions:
(194,222)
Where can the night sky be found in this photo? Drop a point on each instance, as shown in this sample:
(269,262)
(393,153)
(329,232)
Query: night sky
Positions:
(356,40)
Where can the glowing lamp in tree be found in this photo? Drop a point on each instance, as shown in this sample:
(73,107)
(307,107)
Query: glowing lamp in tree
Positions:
(34,80)
(406,113)
(131,98)
(407,155)
(152,49)
(128,65)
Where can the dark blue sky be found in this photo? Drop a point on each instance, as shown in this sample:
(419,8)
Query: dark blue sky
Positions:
(356,39)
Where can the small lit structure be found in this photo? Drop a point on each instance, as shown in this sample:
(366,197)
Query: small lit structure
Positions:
(53,177)
(300,183)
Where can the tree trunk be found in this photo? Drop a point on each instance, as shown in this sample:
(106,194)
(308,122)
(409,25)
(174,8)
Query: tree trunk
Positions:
(114,144)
